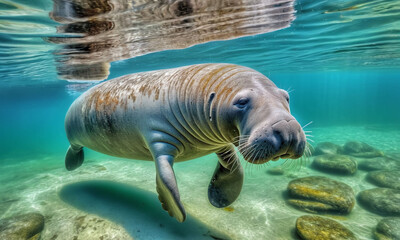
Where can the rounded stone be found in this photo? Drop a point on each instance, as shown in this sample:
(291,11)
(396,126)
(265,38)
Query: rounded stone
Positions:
(321,194)
(387,179)
(334,163)
(26,226)
(316,228)
(379,163)
(382,201)
(360,149)
(388,229)
(276,171)
(326,148)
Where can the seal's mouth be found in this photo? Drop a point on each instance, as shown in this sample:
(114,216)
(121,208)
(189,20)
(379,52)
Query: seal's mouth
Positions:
(260,155)
(283,140)
(264,159)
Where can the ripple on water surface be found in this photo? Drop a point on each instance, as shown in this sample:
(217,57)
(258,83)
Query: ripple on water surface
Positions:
(322,35)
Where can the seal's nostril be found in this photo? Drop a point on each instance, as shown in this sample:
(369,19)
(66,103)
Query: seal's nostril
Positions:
(276,141)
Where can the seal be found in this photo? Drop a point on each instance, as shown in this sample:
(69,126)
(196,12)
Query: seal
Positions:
(179,114)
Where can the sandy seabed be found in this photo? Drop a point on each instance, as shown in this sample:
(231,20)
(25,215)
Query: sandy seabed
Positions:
(111,198)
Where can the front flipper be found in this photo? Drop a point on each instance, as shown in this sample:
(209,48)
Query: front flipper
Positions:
(167,189)
(227,181)
(74,158)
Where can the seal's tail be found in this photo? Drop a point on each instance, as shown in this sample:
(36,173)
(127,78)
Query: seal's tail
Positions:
(74,158)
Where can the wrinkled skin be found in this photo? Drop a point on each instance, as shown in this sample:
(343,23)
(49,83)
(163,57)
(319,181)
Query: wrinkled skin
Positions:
(180,114)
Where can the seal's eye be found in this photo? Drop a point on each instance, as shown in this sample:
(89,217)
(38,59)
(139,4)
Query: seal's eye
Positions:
(242,102)
(286,95)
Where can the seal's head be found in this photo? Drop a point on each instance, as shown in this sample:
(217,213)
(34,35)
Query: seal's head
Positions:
(267,130)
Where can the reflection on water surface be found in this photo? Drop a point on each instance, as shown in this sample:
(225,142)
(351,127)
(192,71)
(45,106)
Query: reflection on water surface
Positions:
(102,31)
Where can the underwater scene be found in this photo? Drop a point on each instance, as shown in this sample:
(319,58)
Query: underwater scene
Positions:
(199,119)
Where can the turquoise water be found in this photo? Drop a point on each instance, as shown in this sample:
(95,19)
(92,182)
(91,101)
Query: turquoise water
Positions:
(339,60)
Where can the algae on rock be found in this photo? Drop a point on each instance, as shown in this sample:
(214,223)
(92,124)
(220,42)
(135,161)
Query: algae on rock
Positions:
(321,194)
(326,148)
(388,179)
(379,163)
(383,201)
(360,149)
(310,227)
(388,229)
(335,163)
(22,227)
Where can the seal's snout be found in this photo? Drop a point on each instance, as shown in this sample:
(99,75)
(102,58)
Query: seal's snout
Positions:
(284,139)
(292,139)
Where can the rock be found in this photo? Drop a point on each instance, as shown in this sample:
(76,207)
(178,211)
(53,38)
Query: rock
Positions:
(360,149)
(334,163)
(388,229)
(91,227)
(321,194)
(383,201)
(75,225)
(292,175)
(276,171)
(21,227)
(388,179)
(379,163)
(316,228)
(326,148)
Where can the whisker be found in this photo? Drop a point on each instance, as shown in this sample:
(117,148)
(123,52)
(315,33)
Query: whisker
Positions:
(246,153)
(286,164)
(307,152)
(257,156)
(251,158)
(248,162)
(307,124)
(237,156)
(250,154)
(310,144)
(267,164)
(231,158)
(290,90)
(237,138)
(241,144)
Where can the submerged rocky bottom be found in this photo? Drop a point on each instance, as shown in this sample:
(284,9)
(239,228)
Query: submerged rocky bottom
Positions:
(110,198)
